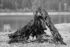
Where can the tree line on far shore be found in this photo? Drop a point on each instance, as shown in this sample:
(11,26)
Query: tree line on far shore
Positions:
(57,5)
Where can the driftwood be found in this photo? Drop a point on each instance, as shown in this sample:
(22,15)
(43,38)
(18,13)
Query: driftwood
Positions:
(36,28)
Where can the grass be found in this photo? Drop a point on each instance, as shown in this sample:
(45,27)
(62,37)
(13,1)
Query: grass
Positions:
(62,28)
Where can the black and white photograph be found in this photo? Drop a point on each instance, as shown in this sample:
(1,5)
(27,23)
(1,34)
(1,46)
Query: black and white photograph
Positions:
(34,23)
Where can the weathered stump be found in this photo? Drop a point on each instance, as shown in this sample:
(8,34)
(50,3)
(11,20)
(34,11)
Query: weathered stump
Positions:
(36,28)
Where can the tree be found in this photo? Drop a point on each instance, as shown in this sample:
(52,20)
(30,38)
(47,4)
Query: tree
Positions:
(16,4)
(7,4)
(26,4)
